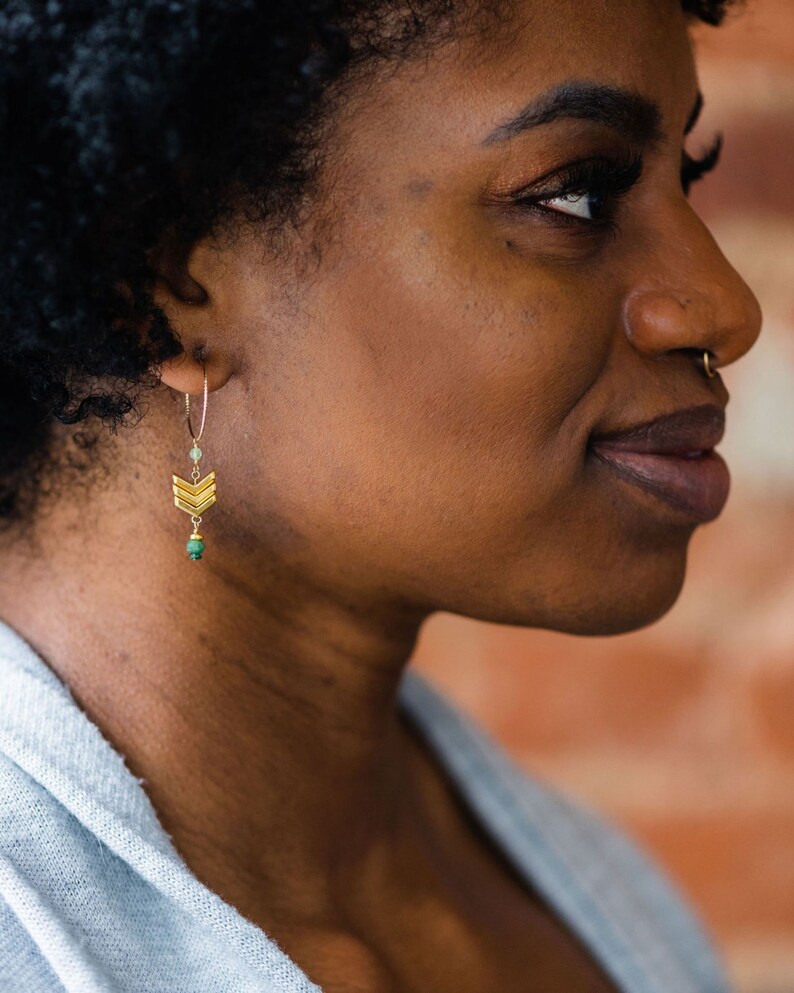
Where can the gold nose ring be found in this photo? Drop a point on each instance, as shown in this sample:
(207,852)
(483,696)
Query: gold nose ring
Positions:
(708,368)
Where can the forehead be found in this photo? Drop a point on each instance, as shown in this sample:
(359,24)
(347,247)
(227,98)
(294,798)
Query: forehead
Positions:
(576,30)
(472,84)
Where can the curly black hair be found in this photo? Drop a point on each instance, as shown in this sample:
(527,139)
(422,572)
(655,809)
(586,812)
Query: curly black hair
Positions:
(121,122)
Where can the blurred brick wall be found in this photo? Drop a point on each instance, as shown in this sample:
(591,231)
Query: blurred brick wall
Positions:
(685,732)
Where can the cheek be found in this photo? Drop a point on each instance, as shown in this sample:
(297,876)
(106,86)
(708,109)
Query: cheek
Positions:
(467,379)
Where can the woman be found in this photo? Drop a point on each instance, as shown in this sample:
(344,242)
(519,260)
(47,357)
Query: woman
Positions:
(447,332)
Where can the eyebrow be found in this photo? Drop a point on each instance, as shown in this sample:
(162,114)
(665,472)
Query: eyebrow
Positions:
(620,109)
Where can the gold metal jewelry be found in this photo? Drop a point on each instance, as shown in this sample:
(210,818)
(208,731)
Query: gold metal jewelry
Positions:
(710,371)
(197,497)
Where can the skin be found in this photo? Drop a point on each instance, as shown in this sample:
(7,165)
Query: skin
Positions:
(400,405)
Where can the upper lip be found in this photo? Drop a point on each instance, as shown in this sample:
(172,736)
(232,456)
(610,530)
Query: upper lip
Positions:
(684,432)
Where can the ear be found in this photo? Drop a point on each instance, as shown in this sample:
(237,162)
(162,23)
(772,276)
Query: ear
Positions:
(183,290)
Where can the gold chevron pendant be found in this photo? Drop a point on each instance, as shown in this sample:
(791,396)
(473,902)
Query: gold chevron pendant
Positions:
(195,498)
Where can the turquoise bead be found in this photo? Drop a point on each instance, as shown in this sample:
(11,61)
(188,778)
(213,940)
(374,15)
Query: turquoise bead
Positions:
(195,454)
(195,548)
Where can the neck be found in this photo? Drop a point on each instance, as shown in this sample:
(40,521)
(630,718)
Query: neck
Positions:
(253,708)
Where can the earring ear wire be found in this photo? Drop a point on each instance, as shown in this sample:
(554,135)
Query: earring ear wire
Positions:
(197,497)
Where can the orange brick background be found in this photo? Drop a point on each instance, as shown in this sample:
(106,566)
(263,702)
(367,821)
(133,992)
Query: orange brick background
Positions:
(685,732)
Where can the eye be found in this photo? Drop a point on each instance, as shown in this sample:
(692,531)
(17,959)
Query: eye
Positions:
(587,206)
(583,192)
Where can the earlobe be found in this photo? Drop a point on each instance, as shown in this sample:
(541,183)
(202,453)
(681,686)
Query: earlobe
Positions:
(185,373)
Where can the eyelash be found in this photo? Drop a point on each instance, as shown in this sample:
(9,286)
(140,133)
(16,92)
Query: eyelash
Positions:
(693,170)
(607,179)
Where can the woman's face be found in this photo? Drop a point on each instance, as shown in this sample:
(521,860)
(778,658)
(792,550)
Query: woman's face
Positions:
(424,377)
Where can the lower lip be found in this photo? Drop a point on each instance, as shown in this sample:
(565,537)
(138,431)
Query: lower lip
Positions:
(695,486)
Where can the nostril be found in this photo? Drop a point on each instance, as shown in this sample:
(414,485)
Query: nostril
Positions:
(658,321)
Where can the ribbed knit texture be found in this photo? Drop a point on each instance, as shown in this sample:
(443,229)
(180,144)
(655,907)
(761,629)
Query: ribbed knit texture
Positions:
(95,899)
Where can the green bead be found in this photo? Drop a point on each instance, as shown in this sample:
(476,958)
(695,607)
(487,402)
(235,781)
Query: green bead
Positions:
(195,549)
(195,454)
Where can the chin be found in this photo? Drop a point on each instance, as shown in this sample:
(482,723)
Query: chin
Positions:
(628,606)
(625,597)
(622,620)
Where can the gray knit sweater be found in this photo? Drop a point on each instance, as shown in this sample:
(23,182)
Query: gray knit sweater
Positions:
(94,898)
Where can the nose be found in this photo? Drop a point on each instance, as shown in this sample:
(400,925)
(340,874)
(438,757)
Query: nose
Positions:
(690,298)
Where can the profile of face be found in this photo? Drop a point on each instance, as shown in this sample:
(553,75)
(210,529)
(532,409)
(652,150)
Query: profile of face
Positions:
(441,385)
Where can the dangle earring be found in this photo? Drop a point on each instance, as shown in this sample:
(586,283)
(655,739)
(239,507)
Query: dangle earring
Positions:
(196,497)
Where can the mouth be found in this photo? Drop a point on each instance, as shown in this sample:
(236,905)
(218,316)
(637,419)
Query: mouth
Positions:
(673,458)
